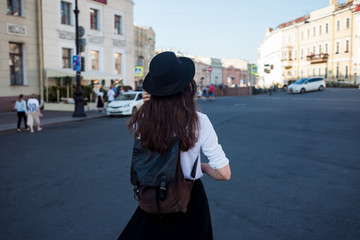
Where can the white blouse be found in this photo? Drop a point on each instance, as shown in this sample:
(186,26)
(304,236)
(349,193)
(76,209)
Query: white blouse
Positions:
(208,143)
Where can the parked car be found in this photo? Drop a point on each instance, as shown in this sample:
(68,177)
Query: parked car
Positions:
(125,104)
(306,85)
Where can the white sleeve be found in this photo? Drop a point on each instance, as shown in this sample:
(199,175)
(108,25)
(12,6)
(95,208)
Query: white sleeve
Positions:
(210,146)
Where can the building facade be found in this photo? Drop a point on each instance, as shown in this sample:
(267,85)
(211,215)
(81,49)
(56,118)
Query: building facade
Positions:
(144,50)
(322,44)
(19,51)
(109,37)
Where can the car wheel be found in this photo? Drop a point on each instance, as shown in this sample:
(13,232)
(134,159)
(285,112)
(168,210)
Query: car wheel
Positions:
(134,110)
(302,90)
(321,88)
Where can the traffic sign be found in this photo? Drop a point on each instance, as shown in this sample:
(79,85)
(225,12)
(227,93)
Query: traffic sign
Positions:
(139,71)
(210,68)
(330,73)
(253,69)
(76,63)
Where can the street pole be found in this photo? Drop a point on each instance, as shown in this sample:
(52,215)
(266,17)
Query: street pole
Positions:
(79,100)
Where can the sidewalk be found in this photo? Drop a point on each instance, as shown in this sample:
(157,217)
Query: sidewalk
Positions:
(8,120)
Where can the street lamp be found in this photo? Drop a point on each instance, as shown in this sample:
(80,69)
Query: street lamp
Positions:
(79,100)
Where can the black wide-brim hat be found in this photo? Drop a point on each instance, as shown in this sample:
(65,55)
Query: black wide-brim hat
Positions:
(168,74)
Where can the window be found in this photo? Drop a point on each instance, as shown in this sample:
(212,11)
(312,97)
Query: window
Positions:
(347,43)
(320,49)
(65,13)
(337,47)
(290,55)
(302,53)
(94,55)
(66,58)
(314,50)
(302,35)
(326,48)
(313,73)
(346,71)
(348,23)
(16,63)
(319,74)
(308,33)
(338,25)
(117,57)
(337,71)
(327,28)
(314,31)
(320,28)
(94,19)
(117,24)
(14,7)
(295,54)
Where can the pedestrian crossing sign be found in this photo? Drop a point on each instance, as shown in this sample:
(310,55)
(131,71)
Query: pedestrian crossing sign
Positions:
(330,73)
(138,71)
(253,69)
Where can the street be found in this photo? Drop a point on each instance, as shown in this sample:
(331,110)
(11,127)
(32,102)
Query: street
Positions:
(294,160)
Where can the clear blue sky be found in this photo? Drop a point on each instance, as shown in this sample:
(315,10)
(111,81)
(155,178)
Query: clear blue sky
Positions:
(219,28)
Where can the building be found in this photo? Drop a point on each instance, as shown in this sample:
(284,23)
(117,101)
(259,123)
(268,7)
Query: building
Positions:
(19,51)
(108,33)
(322,43)
(144,50)
(236,72)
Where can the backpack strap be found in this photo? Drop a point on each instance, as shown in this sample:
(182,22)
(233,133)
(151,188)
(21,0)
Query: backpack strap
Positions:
(193,171)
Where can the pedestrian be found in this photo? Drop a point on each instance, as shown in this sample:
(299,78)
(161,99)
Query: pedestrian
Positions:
(211,92)
(20,106)
(111,95)
(34,113)
(171,111)
(100,100)
(204,93)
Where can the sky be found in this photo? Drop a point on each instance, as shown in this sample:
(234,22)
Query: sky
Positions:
(217,28)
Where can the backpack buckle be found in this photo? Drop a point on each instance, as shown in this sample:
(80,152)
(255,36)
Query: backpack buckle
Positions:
(162,191)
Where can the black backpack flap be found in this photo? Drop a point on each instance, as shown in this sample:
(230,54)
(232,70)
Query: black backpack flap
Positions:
(148,168)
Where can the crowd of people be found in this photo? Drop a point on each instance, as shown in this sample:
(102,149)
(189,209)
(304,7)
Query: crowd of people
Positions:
(29,111)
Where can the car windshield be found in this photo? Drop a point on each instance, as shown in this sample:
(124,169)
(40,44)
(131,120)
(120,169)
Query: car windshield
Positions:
(300,81)
(126,97)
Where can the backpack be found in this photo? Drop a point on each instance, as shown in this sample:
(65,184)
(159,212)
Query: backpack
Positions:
(158,181)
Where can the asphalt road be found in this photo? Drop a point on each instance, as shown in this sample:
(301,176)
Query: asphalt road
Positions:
(294,159)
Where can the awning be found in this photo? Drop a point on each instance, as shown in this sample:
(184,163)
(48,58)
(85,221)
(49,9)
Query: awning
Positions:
(88,75)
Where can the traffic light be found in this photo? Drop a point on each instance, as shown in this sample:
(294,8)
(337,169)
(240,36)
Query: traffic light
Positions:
(82,64)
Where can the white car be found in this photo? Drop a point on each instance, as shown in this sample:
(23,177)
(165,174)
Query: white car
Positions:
(306,85)
(125,104)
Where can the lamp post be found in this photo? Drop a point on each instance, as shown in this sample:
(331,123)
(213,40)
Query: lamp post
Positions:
(79,100)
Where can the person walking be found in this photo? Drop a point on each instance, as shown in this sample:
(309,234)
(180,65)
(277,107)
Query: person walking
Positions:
(111,94)
(171,111)
(211,92)
(100,100)
(204,93)
(34,113)
(20,106)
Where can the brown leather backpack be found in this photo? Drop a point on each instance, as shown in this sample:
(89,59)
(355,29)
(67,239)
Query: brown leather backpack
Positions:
(158,181)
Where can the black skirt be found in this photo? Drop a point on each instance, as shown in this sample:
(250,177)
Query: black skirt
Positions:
(193,225)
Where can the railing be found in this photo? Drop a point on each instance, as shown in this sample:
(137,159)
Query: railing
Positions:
(317,58)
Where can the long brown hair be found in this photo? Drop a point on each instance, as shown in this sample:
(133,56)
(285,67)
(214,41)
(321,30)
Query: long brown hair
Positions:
(161,118)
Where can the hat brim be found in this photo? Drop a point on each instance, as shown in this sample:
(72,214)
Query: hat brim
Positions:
(188,73)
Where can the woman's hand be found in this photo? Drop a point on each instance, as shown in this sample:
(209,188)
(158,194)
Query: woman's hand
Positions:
(146,96)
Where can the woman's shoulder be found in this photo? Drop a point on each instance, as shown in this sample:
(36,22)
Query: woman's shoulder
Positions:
(202,117)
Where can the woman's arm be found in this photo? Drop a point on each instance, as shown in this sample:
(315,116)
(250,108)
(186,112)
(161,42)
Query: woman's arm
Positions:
(223,173)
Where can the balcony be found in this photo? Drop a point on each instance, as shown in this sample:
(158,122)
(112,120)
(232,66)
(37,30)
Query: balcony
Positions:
(318,58)
(287,63)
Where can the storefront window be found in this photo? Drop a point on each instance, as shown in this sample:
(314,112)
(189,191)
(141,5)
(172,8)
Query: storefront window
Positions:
(16,63)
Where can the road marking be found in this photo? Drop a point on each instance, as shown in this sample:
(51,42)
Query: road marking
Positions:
(240,104)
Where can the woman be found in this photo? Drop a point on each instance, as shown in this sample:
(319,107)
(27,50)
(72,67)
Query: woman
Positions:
(171,111)
(100,100)
(20,107)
